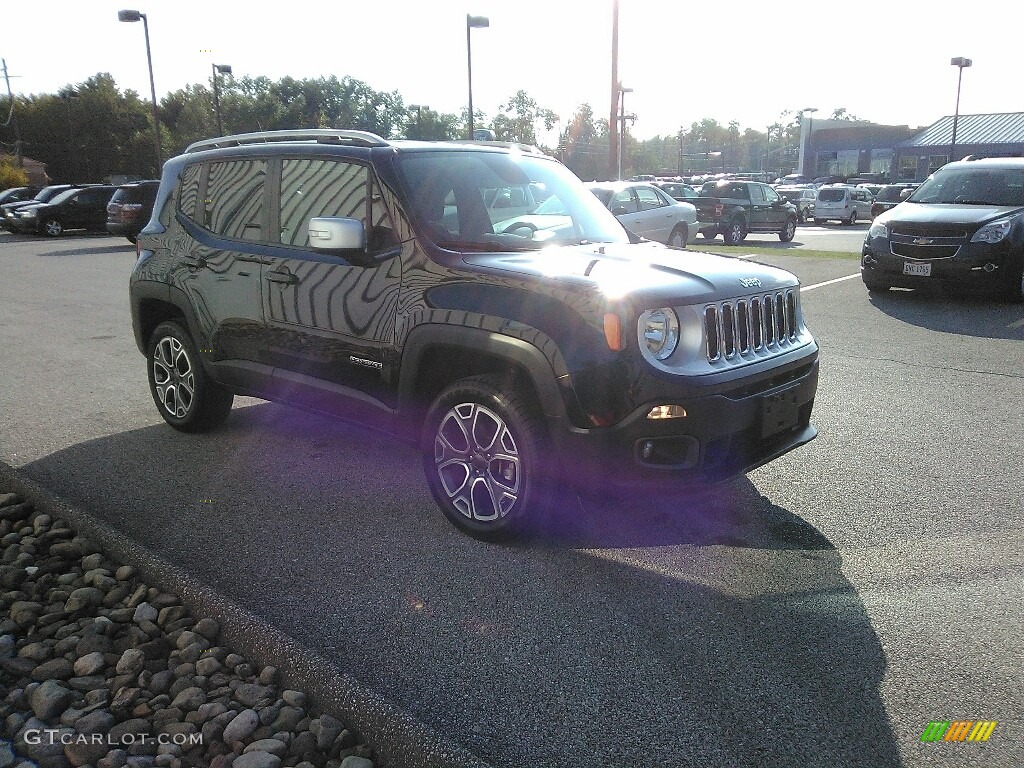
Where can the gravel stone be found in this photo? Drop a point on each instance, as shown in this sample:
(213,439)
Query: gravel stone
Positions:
(356,762)
(326,729)
(189,699)
(241,727)
(144,612)
(251,694)
(95,722)
(50,699)
(273,746)
(89,664)
(131,662)
(256,760)
(55,669)
(83,597)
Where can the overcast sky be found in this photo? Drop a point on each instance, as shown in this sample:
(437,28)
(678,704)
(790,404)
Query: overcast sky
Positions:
(746,60)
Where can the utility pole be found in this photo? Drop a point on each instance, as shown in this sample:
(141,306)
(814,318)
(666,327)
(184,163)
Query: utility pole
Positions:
(12,118)
(613,119)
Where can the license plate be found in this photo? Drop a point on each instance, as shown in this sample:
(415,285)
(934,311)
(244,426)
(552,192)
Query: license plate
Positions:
(917,268)
(779,412)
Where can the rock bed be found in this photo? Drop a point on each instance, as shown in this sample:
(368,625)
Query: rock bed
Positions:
(99,670)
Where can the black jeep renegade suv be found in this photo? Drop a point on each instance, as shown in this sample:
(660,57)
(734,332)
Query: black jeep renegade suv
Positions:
(338,271)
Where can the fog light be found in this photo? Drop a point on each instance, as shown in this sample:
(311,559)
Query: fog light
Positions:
(647,450)
(667,412)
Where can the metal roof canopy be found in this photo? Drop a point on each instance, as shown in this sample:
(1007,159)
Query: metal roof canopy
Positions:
(994,128)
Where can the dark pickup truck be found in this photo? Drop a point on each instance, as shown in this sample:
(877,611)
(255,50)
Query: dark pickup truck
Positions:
(734,208)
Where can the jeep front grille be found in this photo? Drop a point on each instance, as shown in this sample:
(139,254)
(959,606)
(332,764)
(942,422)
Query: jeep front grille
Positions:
(738,329)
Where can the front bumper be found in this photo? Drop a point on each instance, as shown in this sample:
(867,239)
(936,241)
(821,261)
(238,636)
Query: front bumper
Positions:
(975,266)
(722,435)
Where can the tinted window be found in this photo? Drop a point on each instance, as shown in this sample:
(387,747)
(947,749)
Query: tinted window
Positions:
(831,195)
(189,191)
(988,186)
(623,202)
(312,187)
(234,199)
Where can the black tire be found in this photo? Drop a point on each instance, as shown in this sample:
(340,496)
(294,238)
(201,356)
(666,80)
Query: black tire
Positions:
(708,234)
(185,396)
(52,228)
(735,232)
(819,222)
(874,284)
(484,491)
(678,237)
(788,231)
(853,218)
(133,239)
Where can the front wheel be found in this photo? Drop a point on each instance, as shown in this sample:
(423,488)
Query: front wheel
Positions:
(185,396)
(1013,290)
(735,232)
(52,228)
(853,218)
(484,457)
(788,231)
(819,222)
(678,237)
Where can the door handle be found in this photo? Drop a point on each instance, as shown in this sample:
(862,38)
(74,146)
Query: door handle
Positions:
(285,278)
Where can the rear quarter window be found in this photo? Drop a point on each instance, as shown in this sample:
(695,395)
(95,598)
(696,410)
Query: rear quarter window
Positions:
(188,187)
(831,195)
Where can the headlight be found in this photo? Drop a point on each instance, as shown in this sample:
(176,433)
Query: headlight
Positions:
(879,229)
(659,329)
(994,232)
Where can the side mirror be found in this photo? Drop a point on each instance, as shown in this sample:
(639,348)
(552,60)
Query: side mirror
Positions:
(904,194)
(341,237)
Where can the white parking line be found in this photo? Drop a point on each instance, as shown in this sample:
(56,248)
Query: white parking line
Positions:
(828,282)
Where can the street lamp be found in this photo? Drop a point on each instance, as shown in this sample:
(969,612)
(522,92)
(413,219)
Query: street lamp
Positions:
(132,16)
(960,62)
(471,23)
(622,125)
(224,69)
(805,138)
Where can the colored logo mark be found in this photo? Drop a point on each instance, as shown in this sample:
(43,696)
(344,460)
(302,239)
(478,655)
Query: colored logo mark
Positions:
(958,730)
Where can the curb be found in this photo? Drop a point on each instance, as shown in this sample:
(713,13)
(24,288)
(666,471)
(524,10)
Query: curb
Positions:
(398,739)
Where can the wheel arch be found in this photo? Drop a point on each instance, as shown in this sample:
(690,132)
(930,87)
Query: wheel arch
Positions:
(436,356)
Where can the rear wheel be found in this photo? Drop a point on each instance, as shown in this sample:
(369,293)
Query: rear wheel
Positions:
(853,218)
(735,232)
(678,237)
(484,457)
(185,396)
(819,222)
(788,231)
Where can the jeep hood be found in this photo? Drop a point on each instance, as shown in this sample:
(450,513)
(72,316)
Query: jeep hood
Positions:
(648,272)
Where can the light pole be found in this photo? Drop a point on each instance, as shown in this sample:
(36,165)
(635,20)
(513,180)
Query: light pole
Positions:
(622,125)
(135,16)
(805,138)
(471,23)
(960,62)
(224,69)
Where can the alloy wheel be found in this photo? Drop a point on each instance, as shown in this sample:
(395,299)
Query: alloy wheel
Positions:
(173,377)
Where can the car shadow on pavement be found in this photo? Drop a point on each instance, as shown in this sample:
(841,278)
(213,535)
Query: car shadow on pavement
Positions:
(715,631)
(939,310)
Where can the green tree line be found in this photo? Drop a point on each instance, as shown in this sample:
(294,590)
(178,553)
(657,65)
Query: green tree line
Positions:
(94,130)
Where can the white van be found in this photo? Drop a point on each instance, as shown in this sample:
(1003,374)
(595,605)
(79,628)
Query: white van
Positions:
(843,203)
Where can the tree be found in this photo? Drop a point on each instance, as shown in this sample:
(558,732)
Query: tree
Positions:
(842,114)
(521,125)
(11,175)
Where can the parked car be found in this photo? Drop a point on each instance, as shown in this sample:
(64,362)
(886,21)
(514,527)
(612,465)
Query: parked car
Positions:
(802,198)
(889,196)
(677,190)
(842,203)
(793,179)
(82,208)
(871,187)
(734,208)
(18,194)
(963,229)
(647,211)
(130,208)
(7,210)
(517,359)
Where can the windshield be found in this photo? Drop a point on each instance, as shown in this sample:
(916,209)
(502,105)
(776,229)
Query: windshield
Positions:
(490,201)
(973,186)
(48,193)
(63,195)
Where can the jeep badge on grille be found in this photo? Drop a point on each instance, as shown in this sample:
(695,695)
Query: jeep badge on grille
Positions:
(750,282)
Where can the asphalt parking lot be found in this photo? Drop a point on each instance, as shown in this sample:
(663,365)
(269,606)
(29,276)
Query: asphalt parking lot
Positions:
(819,612)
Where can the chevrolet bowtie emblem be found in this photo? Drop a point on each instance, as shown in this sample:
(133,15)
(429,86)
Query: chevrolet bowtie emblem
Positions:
(923,241)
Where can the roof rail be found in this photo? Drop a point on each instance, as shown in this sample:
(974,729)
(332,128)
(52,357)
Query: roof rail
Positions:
(322,135)
(993,155)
